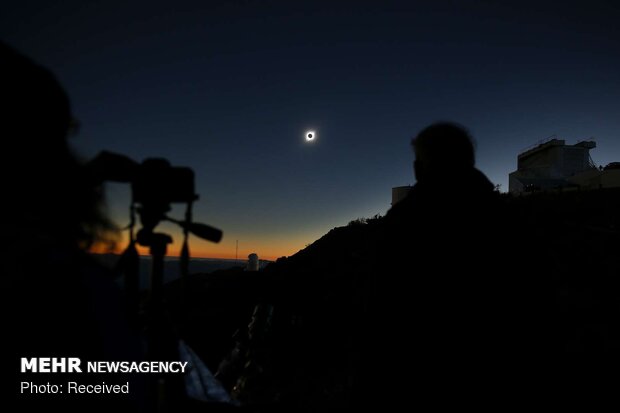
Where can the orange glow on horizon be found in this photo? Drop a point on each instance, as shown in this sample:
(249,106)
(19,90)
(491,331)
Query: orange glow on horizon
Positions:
(201,249)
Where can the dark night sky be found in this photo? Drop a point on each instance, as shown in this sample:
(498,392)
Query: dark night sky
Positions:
(229,88)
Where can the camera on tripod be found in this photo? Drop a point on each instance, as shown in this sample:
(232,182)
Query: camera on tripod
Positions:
(155,184)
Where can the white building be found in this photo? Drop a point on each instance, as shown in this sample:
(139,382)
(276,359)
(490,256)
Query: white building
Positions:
(253,262)
(554,165)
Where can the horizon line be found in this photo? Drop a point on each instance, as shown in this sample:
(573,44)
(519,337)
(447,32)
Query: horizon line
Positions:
(178,256)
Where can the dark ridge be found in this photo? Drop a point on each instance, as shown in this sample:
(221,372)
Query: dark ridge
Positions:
(313,309)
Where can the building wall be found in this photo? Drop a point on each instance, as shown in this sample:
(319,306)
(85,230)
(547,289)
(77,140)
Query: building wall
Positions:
(595,179)
(552,161)
(588,180)
(399,193)
(611,178)
(514,185)
(574,160)
(542,159)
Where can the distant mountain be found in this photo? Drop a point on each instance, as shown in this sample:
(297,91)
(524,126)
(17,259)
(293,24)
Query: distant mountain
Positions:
(172,266)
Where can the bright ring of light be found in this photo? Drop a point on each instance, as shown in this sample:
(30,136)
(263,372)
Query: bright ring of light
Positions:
(310,135)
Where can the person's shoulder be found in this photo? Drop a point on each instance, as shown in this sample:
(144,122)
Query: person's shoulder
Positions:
(403,207)
(479,181)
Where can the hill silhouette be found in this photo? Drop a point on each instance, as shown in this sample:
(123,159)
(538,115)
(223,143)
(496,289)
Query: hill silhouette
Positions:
(294,333)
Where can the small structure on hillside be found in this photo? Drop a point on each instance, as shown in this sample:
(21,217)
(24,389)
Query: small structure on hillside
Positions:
(399,193)
(253,262)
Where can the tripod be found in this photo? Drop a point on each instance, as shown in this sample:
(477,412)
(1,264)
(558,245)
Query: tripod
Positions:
(162,337)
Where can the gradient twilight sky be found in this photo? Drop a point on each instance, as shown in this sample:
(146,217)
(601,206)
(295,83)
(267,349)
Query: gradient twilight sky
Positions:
(228,88)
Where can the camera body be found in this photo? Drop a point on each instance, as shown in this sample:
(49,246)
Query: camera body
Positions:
(156,182)
(153,182)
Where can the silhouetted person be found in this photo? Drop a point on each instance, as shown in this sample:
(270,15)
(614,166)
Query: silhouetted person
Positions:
(438,302)
(56,301)
(448,216)
(447,180)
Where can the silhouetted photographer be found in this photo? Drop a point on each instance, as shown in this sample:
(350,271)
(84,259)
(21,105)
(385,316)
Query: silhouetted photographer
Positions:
(438,304)
(57,300)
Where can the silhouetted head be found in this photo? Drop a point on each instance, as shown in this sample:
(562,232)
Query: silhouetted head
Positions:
(36,106)
(48,196)
(442,148)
